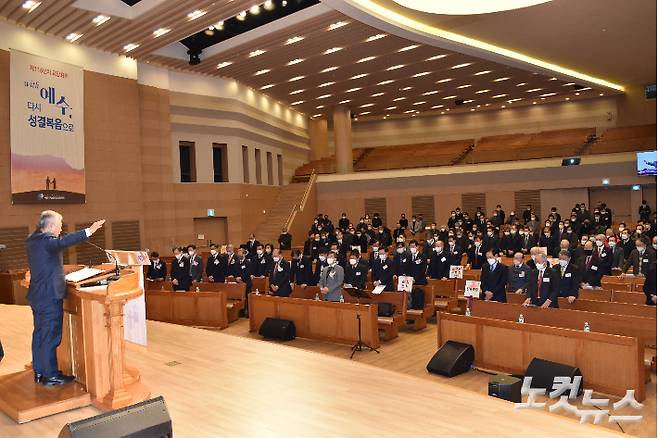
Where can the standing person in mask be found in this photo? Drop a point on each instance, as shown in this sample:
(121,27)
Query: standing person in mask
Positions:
(404,222)
(180,271)
(361,241)
(261,263)
(356,271)
(517,275)
(512,220)
(157,270)
(603,253)
(439,262)
(547,240)
(493,279)
(543,284)
(216,266)
(416,226)
(640,258)
(533,225)
(491,241)
(196,264)
(331,279)
(416,264)
(527,241)
(285,239)
(644,211)
(527,214)
(579,250)
(301,269)
(454,251)
(320,264)
(400,261)
(383,270)
(507,244)
(243,272)
(616,253)
(569,283)
(452,220)
(252,244)
(476,254)
(590,266)
(280,275)
(343,223)
(428,247)
(384,236)
(377,221)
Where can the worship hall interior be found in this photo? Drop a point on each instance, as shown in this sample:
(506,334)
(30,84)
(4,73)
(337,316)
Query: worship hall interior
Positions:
(328,218)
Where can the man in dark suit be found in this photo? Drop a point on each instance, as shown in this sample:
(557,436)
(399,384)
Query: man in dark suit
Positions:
(649,287)
(640,258)
(196,264)
(261,263)
(517,275)
(285,239)
(319,264)
(603,253)
(590,267)
(216,266)
(280,275)
(356,271)
(439,262)
(569,283)
(157,270)
(243,275)
(383,270)
(493,280)
(343,223)
(543,284)
(454,252)
(476,254)
(301,269)
(251,245)
(180,271)
(416,266)
(616,253)
(47,292)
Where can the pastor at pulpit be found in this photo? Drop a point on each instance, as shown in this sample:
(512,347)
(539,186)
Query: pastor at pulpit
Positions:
(48,290)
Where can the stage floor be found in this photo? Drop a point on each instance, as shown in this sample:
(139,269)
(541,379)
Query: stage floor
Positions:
(219,385)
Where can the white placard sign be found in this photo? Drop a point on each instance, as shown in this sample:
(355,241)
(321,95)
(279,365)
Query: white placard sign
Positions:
(405,283)
(472,289)
(456,271)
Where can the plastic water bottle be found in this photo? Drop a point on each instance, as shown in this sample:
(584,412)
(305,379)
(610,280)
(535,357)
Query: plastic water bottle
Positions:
(342,300)
(587,329)
(521,319)
(468,311)
(197,289)
(257,291)
(317,297)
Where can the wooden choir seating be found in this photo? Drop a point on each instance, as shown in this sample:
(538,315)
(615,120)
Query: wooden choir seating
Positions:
(322,320)
(388,325)
(326,164)
(595,306)
(634,326)
(626,139)
(408,156)
(610,364)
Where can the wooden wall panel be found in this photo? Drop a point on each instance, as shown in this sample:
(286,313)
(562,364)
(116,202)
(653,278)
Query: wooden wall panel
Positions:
(375,205)
(14,256)
(524,197)
(88,254)
(423,205)
(126,235)
(472,201)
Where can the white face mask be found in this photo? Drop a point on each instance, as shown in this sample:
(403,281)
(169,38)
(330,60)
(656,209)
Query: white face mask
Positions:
(213,251)
(375,249)
(413,250)
(612,244)
(477,244)
(259,251)
(439,249)
(353,262)
(624,236)
(331,261)
(382,257)
(540,266)
(641,249)
(179,256)
(655,245)
(276,259)
(400,250)
(599,243)
(564,263)
(491,261)
(156,261)
(191,253)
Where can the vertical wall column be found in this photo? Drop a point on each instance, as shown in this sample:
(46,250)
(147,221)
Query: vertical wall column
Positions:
(343,139)
(319,138)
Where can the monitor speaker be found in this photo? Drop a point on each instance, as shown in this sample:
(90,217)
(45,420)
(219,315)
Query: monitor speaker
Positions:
(505,387)
(544,372)
(273,328)
(572,161)
(453,358)
(147,419)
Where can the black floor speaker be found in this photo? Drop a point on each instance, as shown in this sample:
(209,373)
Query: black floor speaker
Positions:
(543,372)
(147,419)
(452,358)
(505,387)
(273,328)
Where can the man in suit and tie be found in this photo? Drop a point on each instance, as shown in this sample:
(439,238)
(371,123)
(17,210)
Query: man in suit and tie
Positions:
(47,292)
(569,283)
(301,269)
(196,264)
(383,270)
(493,279)
(439,262)
(356,271)
(590,266)
(640,258)
(280,275)
(454,252)
(331,279)
(157,270)
(343,223)
(231,261)
(251,245)
(543,284)
(261,263)
(616,254)
(285,239)
(180,271)
(216,266)
(416,265)
(517,275)
(603,253)
(243,271)
(476,254)
(528,241)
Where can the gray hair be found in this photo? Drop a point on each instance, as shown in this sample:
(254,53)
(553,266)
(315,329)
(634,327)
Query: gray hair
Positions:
(47,218)
(565,253)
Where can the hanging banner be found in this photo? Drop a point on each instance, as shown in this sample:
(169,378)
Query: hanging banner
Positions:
(47,131)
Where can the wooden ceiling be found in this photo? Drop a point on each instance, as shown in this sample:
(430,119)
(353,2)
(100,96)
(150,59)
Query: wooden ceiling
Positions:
(386,76)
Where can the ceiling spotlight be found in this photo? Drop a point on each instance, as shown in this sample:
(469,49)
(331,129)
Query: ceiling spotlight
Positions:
(366,105)
(496,96)
(366,59)
(256,53)
(161,31)
(73,37)
(326,84)
(262,72)
(100,19)
(296,92)
(404,49)
(465,64)
(441,81)
(333,50)
(265,87)
(483,72)
(437,106)
(30,5)
(532,90)
(328,69)
(293,40)
(337,25)
(268,5)
(295,61)
(386,82)
(464,86)
(449,97)
(434,58)
(299,102)
(351,90)
(241,16)
(196,14)
(219,25)
(377,94)
(362,75)
(482,91)
(255,10)
(324,96)
(195,56)
(390,108)
(319,107)
(418,75)
(547,94)
(284,3)
(395,67)
(521,84)
(375,37)
(342,102)
(501,79)
(397,99)
(130,47)
(422,102)
(226,64)
(296,78)
(406,88)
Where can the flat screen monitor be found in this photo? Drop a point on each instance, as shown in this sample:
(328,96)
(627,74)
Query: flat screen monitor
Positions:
(646,163)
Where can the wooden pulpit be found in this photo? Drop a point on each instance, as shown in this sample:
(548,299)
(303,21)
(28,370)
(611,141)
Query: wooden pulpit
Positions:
(92,349)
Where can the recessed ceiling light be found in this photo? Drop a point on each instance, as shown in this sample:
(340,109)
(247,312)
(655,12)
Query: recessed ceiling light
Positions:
(466,64)
(464,86)
(376,37)
(342,102)
(293,40)
(505,78)
(424,73)
(100,19)
(482,91)
(256,53)
(437,106)
(296,78)
(503,106)
(449,97)
(547,94)
(255,9)
(129,47)
(324,96)
(73,37)
(296,92)
(30,5)
(441,81)
(196,14)
(568,84)
(362,75)
(366,105)
(422,102)
(434,58)
(409,111)
(429,93)
(338,25)
(262,72)
(333,50)
(365,113)
(366,59)
(413,46)
(225,64)
(483,72)
(496,96)
(316,115)
(585,89)
(377,94)
(328,69)
(472,109)
(553,79)
(391,108)
(161,31)
(352,90)
(532,90)
(241,16)
(600,94)
(514,100)
(395,67)
(299,102)
(326,84)
(469,101)
(319,107)
(295,61)
(521,84)
(534,103)
(397,99)
(265,87)
(386,82)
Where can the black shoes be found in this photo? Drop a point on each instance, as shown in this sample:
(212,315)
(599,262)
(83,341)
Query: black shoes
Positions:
(37,377)
(59,379)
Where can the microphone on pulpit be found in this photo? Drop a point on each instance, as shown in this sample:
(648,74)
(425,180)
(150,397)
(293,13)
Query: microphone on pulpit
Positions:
(117,269)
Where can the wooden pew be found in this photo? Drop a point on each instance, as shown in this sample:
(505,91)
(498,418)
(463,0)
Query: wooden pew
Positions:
(626,282)
(629,297)
(204,309)
(610,364)
(262,284)
(419,317)
(308,292)
(633,326)
(323,320)
(388,325)
(444,293)
(595,306)
(595,294)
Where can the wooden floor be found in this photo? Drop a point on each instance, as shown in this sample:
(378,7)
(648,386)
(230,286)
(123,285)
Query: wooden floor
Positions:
(219,384)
